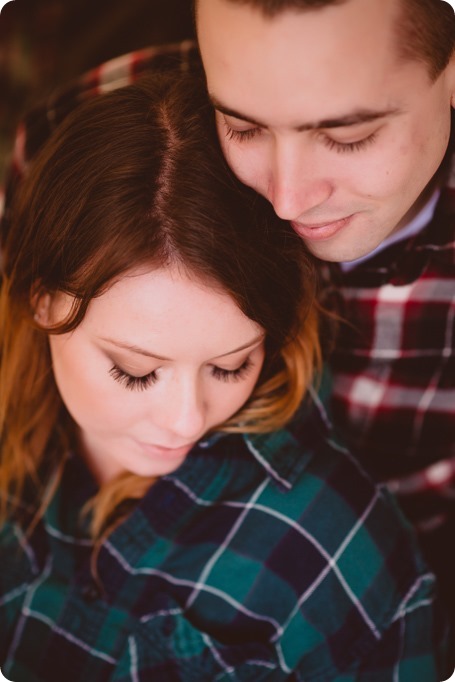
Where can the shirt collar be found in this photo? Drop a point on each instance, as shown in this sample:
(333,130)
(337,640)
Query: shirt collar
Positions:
(419,222)
(285,453)
(404,262)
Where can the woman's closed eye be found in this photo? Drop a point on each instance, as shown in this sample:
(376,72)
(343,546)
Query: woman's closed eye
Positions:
(133,382)
(232,374)
(141,383)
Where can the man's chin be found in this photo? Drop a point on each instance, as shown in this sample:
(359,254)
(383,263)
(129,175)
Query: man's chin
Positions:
(339,254)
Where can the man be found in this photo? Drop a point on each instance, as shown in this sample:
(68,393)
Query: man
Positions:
(339,112)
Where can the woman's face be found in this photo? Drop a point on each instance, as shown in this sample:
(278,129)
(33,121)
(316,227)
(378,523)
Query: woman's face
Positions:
(158,360)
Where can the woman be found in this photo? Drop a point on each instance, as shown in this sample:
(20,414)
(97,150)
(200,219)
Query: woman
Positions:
(160,520)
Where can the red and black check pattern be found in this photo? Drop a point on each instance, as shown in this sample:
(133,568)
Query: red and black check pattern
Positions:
(394,365)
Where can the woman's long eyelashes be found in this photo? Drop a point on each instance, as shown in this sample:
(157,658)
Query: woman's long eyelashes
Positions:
(232,374)
(131,382)
(135,383)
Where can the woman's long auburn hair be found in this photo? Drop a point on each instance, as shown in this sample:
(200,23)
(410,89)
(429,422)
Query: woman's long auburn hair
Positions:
(136,178)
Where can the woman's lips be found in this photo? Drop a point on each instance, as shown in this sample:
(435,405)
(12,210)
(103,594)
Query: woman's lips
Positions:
(161,451)
(321,231)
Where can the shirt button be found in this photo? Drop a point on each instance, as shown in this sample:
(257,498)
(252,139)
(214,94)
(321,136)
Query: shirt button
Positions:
(90,592)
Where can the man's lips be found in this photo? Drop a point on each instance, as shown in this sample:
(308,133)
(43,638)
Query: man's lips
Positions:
(323,230)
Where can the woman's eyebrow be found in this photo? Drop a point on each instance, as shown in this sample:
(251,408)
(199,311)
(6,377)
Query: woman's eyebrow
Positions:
(257,339)
(142,351)
(133,348)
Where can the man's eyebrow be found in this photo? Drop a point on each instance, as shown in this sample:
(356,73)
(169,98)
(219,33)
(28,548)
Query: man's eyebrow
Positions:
(142,351)
(354,118)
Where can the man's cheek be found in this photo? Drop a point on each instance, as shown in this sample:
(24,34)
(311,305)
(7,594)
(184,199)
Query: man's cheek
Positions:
(246,166)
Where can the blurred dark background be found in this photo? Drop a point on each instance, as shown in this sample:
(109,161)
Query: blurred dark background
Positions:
(46,43)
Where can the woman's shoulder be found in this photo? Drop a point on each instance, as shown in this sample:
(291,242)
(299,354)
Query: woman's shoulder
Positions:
(342,522)
(340,545)
(322,487)
(285,541)
(303,521)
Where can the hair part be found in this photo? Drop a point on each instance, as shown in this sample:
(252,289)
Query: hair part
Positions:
(136,178)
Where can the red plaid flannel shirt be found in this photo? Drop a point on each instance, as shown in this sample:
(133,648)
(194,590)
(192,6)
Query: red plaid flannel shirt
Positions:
(394,363)
(394,366)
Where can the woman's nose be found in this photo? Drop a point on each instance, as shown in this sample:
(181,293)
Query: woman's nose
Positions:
(186,412)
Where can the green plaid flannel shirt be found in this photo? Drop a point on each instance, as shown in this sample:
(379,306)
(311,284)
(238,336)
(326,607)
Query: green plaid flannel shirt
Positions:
(268,557)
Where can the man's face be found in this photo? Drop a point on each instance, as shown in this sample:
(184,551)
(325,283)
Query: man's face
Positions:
(316,111)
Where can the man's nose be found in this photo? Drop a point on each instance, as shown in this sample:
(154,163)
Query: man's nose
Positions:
(296,184)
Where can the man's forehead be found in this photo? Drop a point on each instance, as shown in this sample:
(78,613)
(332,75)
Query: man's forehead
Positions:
(269,72)
(334,32)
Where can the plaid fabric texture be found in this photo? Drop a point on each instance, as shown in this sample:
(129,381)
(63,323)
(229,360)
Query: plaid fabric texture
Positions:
(270,557)
(394,367)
